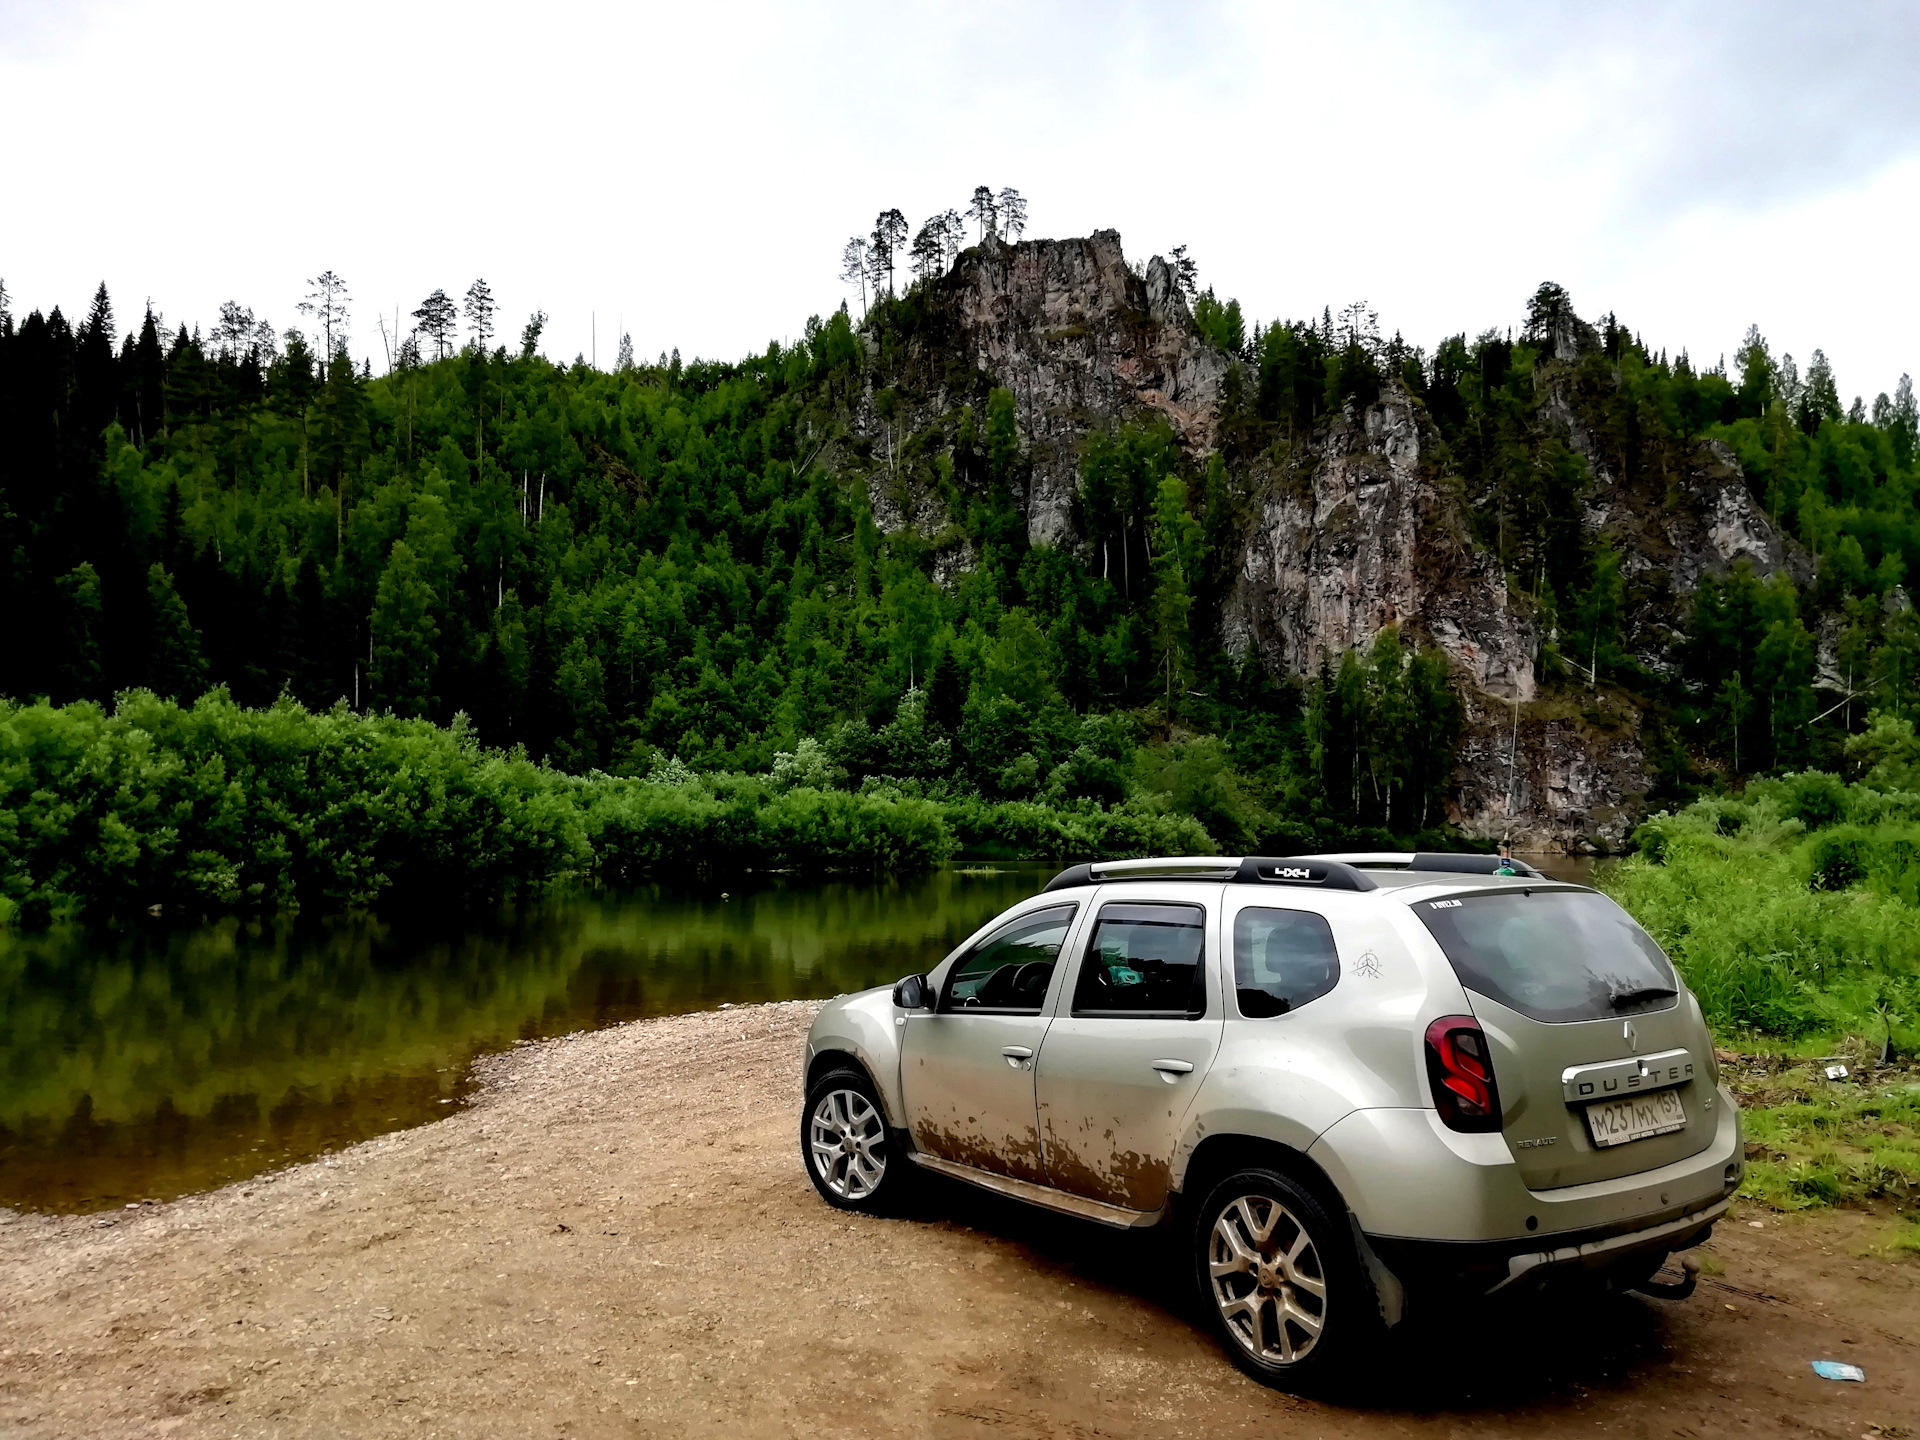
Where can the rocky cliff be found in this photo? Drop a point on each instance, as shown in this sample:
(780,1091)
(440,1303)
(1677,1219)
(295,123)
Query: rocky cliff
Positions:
(1081,341)
(1361,525)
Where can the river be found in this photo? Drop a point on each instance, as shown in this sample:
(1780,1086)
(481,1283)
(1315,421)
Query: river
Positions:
(152,1060)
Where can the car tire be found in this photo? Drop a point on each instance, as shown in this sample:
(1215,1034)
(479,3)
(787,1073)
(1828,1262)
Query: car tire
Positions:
(844,1143)
(1282,1284)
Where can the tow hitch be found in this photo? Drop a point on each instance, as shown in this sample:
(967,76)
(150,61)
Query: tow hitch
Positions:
(1680,1290)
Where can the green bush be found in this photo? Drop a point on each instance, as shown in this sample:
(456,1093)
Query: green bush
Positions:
(1026,830)
(216,807)
(1781,933)
(1813,797)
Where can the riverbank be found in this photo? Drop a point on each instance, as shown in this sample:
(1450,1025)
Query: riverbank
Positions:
(616,1238)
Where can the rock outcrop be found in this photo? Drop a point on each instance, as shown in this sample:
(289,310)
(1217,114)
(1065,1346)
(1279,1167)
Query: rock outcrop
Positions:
(1360,526)
(1359,533)
(1081,341)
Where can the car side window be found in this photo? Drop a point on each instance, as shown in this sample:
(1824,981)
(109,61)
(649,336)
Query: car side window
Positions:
(1281,960)
(1008,972)
(1144,960)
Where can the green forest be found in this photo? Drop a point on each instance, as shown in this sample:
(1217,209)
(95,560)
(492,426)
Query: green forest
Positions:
(601,585)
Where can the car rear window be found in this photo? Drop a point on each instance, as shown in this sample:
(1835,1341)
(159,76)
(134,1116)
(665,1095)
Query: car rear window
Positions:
(1281,960)
(1554,955)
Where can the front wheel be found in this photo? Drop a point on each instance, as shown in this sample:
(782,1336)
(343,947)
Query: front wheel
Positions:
(1282,1283)
(843,1138)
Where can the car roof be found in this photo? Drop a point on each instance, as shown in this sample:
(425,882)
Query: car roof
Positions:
(1405,876)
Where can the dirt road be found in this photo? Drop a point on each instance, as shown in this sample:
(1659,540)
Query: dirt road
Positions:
(616,1239)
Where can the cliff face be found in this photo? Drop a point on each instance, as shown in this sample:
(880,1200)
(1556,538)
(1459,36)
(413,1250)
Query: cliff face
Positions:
(1359,526)
(1359,533)
(1081,341)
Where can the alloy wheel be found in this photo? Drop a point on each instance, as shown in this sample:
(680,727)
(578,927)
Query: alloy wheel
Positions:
(1266,1277)
(846,1136)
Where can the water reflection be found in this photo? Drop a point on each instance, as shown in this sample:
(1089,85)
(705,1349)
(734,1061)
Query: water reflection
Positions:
(151,1062)
(147,1063)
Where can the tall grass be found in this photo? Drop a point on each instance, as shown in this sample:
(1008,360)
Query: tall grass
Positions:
(1783,927)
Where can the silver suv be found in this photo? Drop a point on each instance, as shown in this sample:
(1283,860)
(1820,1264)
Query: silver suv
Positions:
(1353,1083)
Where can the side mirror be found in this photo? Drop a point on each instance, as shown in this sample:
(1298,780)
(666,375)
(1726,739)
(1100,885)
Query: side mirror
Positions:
(913,993)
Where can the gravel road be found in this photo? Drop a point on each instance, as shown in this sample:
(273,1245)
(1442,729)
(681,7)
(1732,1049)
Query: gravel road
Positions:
(616,1239)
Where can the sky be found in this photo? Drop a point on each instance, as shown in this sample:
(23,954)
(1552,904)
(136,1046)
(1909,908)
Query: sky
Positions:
(690,173)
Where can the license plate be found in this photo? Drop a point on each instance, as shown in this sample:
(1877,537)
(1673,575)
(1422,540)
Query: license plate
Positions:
(1615,1122)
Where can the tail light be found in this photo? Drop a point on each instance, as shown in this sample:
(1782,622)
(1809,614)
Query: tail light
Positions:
(1461,1069)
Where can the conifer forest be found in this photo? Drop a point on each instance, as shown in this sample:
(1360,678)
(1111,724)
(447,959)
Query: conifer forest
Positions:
(669,573)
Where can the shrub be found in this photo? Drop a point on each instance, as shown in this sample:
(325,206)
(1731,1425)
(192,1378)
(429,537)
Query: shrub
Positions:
(1763,948)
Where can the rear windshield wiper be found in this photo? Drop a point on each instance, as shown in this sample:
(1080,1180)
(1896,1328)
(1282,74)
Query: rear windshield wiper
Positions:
(1641,993)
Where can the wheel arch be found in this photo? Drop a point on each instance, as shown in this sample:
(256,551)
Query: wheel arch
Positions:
(831,1058)
(1218,1156)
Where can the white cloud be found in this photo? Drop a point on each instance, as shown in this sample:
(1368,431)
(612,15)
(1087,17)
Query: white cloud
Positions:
(692,172)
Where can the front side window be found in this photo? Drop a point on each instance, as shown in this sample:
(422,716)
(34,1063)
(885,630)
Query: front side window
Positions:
(1553,955)
(1144,960)
(1008,972)
(1281,960)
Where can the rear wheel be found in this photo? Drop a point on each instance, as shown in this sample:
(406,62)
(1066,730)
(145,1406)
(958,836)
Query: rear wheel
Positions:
(1281,1282)
(843,1137)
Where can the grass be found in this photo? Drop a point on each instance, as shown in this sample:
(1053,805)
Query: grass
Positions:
(1813,1141)
(1791,911)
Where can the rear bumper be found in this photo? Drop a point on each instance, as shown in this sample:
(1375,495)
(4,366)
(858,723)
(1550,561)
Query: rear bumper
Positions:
(1482,1267)
(1434,1203)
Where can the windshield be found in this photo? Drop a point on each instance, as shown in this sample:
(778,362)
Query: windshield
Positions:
(1554,955)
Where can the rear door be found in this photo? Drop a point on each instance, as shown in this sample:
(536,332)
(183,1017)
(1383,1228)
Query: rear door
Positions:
(967,1069)
(1602,1064)
(1138,1023)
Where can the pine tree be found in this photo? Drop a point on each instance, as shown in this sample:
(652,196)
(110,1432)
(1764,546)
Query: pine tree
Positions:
(1176,560)
(233,333)
(437,317)
(479,309)
(624,361)
(1820,399)
(1012,211)
(175,668)
(327,303)
(928,254)
(983,209)
(889,234)
(853,267)
(81,669)
(1186,274)
(1905,423)
(530,334)
(400,670)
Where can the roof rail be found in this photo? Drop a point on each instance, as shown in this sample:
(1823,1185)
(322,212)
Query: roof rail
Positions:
(1305,870)
(1171,867)
(1310,870)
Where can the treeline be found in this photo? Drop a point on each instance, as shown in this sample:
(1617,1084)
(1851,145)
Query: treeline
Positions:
(680,562)
(218,807)
(665,562)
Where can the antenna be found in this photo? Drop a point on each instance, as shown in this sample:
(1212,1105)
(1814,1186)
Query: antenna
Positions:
(594,321)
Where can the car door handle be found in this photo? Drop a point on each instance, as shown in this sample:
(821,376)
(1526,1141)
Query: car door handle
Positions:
(1018,1056)
(1170,1069)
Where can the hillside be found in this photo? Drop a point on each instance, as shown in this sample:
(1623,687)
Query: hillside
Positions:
(1304,583)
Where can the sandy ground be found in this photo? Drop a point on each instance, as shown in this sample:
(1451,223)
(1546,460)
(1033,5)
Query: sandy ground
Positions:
(617,1239)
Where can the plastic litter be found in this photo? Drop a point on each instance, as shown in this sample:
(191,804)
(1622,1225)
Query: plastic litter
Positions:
(1836,1072)
(1838,1370)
